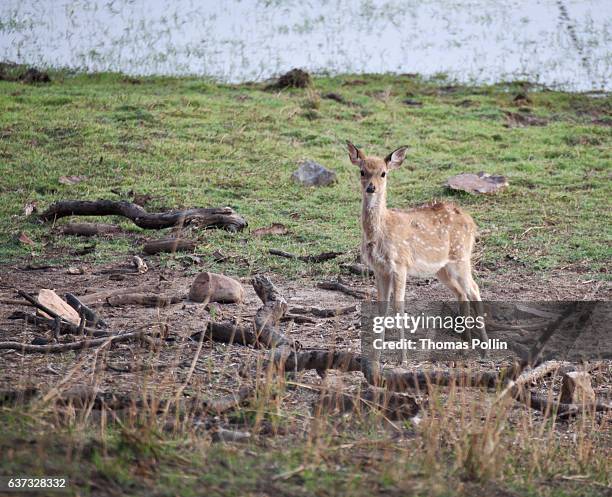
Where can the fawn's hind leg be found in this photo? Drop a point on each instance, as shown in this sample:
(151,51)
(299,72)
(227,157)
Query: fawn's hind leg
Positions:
(458,277)
(448,276)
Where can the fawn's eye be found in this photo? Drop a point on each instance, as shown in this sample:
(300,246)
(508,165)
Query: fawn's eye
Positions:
(383,174)
(362,172)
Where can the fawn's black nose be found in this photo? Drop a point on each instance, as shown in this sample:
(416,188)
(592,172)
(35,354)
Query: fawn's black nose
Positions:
(371,188)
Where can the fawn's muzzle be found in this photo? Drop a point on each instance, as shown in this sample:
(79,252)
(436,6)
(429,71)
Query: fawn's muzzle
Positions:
(371,188)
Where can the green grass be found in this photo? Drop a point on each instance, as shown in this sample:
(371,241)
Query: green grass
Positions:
(191,142)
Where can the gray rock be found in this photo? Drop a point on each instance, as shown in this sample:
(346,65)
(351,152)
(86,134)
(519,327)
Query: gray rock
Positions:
(312,174)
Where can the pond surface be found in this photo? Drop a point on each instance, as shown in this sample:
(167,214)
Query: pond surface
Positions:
(564,43)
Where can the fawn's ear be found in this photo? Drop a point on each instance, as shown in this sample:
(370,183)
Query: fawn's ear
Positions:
(395,158)
(356,155)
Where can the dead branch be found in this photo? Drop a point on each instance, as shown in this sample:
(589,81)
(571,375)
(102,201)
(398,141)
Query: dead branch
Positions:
(65,327)
(514,387)
(268,316)
(341,287)
(90,229)
(298,318)
(14,302)
(169,245)
(324,313)
(93,318)
(223,217)
(324,256)
(65,347)
(358,269)
(519,391)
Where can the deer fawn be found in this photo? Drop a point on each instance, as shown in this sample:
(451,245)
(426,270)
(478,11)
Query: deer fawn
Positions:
(435,239)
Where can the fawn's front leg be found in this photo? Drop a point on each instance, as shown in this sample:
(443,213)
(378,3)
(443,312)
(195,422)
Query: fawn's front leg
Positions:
(399,293)
(383,289)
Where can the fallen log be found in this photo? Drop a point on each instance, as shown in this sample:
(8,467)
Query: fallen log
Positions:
(144,299)
(99,297)
(169,245)
(396,380)
(403,380)
(264,332)
(223,217)
(515,386)
(228,332)
(549,406)
(90,229)
(324,256)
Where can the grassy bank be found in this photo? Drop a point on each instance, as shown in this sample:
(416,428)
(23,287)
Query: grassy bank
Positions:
(189,142)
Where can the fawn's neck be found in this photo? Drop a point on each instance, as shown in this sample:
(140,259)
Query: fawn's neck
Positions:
(373,211)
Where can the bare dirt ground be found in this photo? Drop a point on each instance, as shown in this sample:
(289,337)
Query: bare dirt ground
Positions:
(128,364)
(279,418)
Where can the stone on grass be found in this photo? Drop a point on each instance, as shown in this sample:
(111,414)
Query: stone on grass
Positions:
(481,183)
(311,173)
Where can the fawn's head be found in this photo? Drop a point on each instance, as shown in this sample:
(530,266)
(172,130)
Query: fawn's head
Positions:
(374,170)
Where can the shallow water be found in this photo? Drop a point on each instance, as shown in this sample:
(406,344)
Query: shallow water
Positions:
(565,43)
